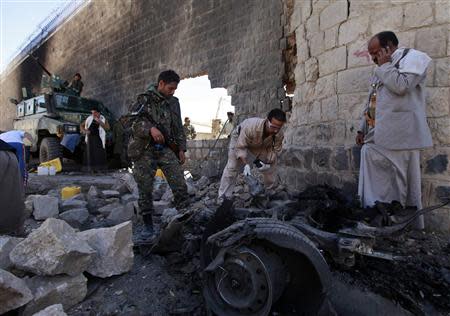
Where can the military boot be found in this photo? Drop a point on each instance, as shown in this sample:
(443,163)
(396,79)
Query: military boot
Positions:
(146,233)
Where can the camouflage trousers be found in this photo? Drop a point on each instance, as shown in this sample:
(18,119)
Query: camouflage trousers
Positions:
(144,169)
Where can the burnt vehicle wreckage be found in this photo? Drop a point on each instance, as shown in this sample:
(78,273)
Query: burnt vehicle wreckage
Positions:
(278,256)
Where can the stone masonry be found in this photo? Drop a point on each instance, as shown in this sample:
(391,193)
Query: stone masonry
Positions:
(119,47)
(332,75)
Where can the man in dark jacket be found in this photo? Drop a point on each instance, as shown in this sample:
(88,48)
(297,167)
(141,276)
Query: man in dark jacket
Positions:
(158,140)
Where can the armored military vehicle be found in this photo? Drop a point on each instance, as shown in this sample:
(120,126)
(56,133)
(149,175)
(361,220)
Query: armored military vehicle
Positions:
(57,112)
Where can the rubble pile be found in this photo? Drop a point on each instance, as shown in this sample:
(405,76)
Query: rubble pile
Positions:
(67,242)
(70,258)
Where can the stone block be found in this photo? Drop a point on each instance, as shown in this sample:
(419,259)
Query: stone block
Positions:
(114,249)
(442,8)
(331,37)
(314,112)
(107,209)
(438,102)
(356,157)
(440,130)
(358,54)
(406,39)
(438,220)
(312,26)
(65,290)
(442,72)
(354,80)
(351,105)
(45,207)
(128,198)
(121,214)
(418,14)
(386,19)
(317,44)
(325,87)
(306,7)
(53,248)
(430,40)
(329,109)
(321,157)
(7,244)
(29,204)
(332,61)
(110,194)
(340,159)
(311,69)
(299,73)
(302,48)
(76,217)
(52,310)
(333,14)
(71,204)
(14,292)
(437,164)
(352,29)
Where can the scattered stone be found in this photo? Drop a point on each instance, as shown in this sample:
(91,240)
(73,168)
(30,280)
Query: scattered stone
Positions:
(93,192)
(112,200)
(63,289)
(128,198)
(121,187)
(29,205)
(72,203)
(13,292)
(7,244)
(75,217)
(202,183)
(160,206)
(53,248)
(107,209)
(168,195)
(53,310)
(130,183)
(110,194)
(168,214)
(191,189)
(121,214)
(45,207)
(114,248)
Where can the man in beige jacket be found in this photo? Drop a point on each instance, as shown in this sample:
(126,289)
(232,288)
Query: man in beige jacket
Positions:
(259,138)
(395,126)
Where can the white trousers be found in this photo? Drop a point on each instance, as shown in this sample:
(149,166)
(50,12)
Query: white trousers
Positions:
(390,175)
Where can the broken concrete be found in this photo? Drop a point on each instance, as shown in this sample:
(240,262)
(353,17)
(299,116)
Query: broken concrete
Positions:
(7,244)
(109,208)
(53,310)
(110,194)
(53,248)
(14,292)
(47,291)
(76,217)
(114,249)
(45,207)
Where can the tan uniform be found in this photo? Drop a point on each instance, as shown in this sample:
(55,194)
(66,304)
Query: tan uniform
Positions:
(247,142)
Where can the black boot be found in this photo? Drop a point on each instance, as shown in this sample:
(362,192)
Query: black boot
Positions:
(147,232)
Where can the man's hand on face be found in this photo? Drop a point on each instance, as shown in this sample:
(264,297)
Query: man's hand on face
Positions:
(182,157)
(157,136)
(360,139)
(384,55)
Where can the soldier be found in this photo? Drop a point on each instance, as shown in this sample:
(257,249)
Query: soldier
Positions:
(158,140)
(76,84)
(189,130)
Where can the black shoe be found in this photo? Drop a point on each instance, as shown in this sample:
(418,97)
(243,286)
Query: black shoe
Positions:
(146,234)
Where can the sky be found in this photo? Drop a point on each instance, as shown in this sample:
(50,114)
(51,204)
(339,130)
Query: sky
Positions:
(18,20)
(21,18)
(201,103)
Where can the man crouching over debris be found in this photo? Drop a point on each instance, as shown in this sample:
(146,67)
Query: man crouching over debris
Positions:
(395,127)
(158,140)
(260,137)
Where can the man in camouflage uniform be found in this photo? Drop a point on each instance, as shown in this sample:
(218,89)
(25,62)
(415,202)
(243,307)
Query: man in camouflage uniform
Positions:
(189,130)
(156,131)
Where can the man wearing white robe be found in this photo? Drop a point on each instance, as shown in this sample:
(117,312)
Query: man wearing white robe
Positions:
(390,155)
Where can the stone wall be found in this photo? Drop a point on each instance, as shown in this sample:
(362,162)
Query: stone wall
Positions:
(332,79)
(120,46)
(206,157)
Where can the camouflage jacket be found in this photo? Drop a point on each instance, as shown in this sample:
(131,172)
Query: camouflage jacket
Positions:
(162,113)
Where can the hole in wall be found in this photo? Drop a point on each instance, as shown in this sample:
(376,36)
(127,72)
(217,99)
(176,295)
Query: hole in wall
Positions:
(206,107)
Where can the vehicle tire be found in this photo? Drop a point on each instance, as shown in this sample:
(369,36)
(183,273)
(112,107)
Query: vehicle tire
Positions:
(50,149)
(263,257)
